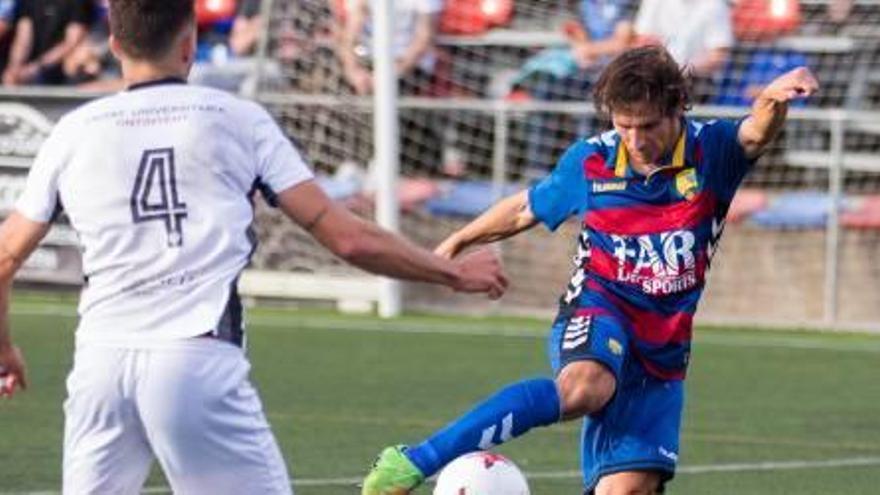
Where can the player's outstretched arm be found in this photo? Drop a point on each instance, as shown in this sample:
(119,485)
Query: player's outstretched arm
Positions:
(376,250)
(760,128)
(18,238)
(508,217)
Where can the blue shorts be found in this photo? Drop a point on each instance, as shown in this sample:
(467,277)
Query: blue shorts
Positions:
(639,429)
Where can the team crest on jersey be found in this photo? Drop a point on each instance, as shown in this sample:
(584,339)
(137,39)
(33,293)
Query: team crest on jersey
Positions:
(608,186)
(686,183)
(615,347)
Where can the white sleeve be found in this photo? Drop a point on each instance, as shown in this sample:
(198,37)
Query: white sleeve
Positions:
(279,164)
(721,34)
(39,200)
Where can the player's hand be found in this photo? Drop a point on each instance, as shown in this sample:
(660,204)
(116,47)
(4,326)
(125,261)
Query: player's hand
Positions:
(449,248)
(10,76)
(797,83)
(360,79)
(12,371)
(481,271)
(584,55)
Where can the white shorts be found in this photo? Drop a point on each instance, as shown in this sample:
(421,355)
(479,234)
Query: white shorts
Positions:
(187,403)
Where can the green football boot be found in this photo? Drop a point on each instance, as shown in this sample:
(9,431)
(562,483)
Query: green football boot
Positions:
(392,474)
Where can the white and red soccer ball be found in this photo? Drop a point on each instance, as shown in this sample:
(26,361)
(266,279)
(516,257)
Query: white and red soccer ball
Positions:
(481,473)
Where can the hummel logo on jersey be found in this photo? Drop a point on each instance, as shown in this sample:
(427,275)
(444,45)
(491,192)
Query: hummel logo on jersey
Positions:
(616,185)
(577,333)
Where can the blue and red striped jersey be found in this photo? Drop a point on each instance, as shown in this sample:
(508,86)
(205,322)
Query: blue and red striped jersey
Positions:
(646,241)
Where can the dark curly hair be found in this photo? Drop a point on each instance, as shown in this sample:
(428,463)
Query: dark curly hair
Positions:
(642,76)
(146,29)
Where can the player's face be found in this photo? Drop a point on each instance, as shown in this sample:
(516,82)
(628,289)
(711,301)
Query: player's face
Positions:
(646,132)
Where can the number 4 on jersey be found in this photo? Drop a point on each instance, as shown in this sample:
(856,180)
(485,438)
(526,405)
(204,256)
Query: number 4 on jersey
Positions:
(154,196)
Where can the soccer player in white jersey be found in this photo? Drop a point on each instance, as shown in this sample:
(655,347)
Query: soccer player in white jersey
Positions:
(157,181)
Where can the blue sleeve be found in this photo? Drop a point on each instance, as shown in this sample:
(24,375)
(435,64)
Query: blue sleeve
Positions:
(563,193)
(724,158)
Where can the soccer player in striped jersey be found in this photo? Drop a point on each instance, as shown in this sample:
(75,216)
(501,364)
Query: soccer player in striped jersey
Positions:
(651,196)
(158,182)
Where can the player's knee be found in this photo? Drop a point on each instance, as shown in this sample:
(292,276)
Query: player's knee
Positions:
(584,388)
(619,489)
(630,483)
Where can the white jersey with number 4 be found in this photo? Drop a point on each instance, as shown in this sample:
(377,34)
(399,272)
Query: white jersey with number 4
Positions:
(157,181)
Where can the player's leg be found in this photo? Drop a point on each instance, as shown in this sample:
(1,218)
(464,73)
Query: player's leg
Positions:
(105,450)
(630,483)
(587,348)
(512,411)
(632,445)
(583,387)
(205,421)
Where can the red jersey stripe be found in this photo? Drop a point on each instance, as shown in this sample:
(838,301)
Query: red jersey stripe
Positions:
(595,167)
(642,219)
(649,327)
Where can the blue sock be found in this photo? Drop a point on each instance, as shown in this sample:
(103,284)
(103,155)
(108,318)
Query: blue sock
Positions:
(512,411)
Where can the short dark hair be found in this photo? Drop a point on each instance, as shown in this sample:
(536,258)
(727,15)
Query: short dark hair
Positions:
(146,29)
(642,76)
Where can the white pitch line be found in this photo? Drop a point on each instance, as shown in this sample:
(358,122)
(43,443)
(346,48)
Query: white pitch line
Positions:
(558,475)
(781,465)
(481,329)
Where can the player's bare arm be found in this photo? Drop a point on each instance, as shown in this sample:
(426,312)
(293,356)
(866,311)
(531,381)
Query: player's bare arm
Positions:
(359,77)
(426,29)
(22,43)
(770,108)
(371,248)
(508,217)
(18,238)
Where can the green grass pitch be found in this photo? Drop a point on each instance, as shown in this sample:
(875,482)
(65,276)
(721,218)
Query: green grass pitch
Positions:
(767,412)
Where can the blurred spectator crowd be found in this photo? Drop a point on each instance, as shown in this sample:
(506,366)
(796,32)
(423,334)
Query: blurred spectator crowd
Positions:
(64,42)
(544,51)
(449,48)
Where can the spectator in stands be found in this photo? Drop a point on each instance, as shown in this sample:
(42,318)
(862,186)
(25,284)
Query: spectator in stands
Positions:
(839,10)
(758,25)
(603,29)
(7,23)
(246,28)
(414,46)
(741,85)
(228,28)
(698,33)
(415,28)
(229,31)
(46,32)
(91,66)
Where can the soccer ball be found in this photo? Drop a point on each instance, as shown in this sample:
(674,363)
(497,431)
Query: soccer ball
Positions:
(481,473)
